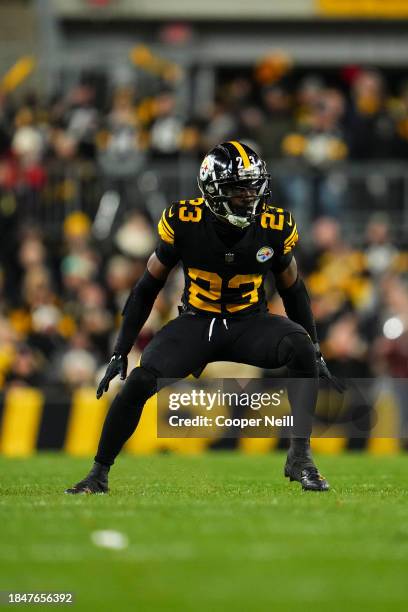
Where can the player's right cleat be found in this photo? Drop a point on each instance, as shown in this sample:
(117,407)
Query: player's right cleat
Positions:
(95,483)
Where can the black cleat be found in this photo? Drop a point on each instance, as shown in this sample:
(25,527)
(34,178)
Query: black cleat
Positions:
(303,470)
(95,483)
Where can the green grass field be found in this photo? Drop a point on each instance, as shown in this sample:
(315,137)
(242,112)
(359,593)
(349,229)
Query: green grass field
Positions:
(210,532)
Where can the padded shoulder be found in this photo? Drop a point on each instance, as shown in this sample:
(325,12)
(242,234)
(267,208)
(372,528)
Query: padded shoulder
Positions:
(184,212)
(283,224)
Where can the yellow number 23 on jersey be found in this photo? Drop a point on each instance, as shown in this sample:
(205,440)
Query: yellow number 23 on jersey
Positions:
(208,299)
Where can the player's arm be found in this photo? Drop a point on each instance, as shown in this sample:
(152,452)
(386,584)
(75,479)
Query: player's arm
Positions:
(295,297)
(135,314)
(297,305)
(290,286)
(140,303)
(294,294)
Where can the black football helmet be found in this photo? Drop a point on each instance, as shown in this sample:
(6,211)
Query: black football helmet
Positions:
(234,183)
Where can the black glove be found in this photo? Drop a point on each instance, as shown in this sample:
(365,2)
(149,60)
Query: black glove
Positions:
(325,373)
(117,365)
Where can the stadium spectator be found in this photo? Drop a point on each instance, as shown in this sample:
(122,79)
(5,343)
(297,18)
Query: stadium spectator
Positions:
(277,123)
(320,144)
(371,128)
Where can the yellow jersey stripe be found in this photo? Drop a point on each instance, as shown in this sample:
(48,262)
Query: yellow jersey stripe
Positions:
(293,241)
(289,246)
(291,235)
(170,233)
(167,225)
(164,229)
(164,234)
(242,153)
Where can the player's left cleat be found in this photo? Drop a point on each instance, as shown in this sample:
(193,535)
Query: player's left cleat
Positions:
(303,470)
(95,483)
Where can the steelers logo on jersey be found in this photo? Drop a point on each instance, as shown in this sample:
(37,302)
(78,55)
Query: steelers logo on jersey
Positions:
(264,254)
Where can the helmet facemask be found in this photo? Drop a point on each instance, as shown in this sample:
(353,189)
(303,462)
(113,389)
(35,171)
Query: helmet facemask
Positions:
(238,201)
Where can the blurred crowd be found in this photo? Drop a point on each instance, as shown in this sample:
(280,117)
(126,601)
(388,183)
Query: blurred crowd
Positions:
(312,122)
(354,114)
(61,303)
(61,293)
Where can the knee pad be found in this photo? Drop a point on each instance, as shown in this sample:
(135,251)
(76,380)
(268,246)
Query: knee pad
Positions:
(139,386)
(297,352)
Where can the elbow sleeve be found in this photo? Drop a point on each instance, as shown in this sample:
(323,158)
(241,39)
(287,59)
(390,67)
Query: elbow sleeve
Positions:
(297,305)
(136,311)
(144,292)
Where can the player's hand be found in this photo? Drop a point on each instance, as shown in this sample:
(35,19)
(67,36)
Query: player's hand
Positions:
(117,365)
(324,372)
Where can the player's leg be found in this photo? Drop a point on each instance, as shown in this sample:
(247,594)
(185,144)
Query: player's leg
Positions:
(270,341)
(178,349)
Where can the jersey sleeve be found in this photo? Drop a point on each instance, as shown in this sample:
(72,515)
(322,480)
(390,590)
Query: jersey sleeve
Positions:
(280,263)
(166,250)
(166,225)
(290,234)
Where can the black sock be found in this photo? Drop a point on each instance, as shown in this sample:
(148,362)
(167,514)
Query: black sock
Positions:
(120,423)
(297,352)
(99,470)
(300,446)
(302,395)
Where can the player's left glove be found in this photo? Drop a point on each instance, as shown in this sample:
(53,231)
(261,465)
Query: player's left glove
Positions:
(117,365)
(324,371)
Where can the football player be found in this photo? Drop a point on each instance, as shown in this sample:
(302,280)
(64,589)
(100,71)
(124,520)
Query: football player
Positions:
(227,241)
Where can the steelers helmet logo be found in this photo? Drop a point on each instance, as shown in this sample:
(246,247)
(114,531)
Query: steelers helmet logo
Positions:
(206,168)
(264,254)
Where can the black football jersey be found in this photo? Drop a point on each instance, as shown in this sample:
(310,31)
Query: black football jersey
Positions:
(220,280)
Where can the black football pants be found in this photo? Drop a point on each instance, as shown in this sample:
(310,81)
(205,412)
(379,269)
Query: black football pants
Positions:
(187,343)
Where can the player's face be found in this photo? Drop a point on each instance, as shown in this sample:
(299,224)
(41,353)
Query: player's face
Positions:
(241,197)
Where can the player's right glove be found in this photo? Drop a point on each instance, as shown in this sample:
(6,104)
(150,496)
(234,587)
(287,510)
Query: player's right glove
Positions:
(117,365)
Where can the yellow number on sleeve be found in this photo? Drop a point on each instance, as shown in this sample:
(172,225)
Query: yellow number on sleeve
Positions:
(191,210)
(273,220)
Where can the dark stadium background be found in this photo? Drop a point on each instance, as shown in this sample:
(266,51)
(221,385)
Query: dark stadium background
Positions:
(106,109)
